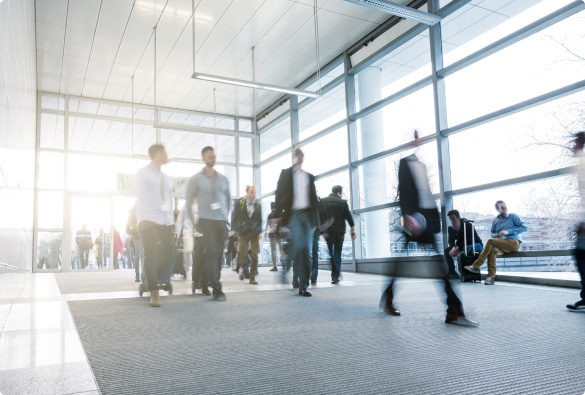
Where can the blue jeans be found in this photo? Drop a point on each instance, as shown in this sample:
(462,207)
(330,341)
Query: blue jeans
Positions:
(301,243)
(451,262)
(335,244)
(315,257)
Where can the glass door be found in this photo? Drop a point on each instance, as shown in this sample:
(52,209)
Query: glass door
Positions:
(90,229)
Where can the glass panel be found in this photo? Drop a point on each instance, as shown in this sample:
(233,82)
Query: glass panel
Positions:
(475,26)
(399,121)
(327,78)
(51,172)
(536,65)
(275,139)
(182,169)
(246,151)
(52,131)
(204,120)
(90,233)
(323,112)
(402,67)
(188,145)
(528,142)
(270,172)
(49,250)
(52,102)
(245,125)
(99,173)
(98,135)
(110,109)
(326,153)
(324,185)
(50,214)
(230,173)
(382,174)
(550,210)
(246,178)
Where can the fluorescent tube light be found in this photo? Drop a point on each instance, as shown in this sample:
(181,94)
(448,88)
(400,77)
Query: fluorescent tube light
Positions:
(255,85)
(399,10)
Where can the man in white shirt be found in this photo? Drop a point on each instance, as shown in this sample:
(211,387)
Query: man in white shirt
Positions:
(154,213)
(297,208)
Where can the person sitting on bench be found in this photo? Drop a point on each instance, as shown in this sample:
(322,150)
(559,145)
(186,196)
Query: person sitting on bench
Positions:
(506,229)
(456,240)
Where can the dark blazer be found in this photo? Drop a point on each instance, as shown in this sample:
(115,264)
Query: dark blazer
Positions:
(339,209)
(408,194)
(241,221)
(456,238)
(284,198)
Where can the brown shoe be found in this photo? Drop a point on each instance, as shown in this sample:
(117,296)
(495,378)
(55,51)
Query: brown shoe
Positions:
(155,298)
(391,310)
(253,281)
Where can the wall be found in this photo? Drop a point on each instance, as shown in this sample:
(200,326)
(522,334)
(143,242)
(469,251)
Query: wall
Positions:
(17,131)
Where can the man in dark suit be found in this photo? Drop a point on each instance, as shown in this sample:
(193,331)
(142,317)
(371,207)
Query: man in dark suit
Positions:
(247,224)
(297,208)
(421,223)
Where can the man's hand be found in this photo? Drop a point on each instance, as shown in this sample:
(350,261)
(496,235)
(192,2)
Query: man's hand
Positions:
(232,233)
(260,236)
(353,234)
(454,251)
(501,234)
(325,235)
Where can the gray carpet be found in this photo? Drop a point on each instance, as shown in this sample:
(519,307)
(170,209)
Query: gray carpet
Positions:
(337,342)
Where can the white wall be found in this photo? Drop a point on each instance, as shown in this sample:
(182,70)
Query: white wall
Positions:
(17,131)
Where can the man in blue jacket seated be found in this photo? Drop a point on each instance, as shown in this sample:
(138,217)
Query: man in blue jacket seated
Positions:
(457,240)
(247,223)
(506,229)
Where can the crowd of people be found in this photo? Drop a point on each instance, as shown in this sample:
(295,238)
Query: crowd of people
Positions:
(297,220)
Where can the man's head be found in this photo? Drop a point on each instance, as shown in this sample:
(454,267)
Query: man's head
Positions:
(579,142)
(158,154)
(208,156)
(338,190)
(455,219)
(298,156)
(502,208)
(250,193)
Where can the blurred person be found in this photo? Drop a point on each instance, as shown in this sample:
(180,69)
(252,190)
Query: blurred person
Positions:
(199,271)
(184,229)
(580,247)
(456,240)
(132,230)
(118,249)
(275,241)
(84,244)
(325,220)
(506,229)
(421,224)
(128,251)
(212,191)
(339,209)
(247,225)
(99,250)
(154,215)
(297,209)
(176,210)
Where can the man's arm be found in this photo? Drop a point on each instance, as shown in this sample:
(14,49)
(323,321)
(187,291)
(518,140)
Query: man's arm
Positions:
(235,216)
(452,237)
(519,225)
(493,231)
(348,216)
(192,192)
(279,198)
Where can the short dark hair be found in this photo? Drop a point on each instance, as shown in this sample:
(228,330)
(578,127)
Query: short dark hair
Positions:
(205,149)
(455,213)
(497,204)
(337,189)
(155,149)
(580,138)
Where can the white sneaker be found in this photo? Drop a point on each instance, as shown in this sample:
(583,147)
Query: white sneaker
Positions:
(489,280)
(471,269)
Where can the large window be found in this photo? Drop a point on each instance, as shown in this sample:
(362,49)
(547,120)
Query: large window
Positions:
(270,172)
(52,131)
(275,139)
(326,153)
(188,145)
(323,112)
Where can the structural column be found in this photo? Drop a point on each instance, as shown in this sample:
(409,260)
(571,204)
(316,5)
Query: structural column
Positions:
(374,174)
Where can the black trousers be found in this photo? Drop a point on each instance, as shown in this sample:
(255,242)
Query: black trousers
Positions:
(335,244)
(450,261)
(83,258)
(454,305)
(199,271)
(580,263)
(214,236)
(158,241)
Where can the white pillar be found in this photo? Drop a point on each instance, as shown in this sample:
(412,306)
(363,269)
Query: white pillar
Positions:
(377,226)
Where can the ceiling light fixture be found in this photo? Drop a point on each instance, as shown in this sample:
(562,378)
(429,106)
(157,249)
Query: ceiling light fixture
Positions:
(399,10)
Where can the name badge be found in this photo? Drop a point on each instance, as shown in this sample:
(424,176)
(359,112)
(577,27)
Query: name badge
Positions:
(215,206)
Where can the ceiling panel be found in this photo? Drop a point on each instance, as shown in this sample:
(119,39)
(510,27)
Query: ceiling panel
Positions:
(83,14)
(50,37)
(51,11)
(78,42)
(113,18)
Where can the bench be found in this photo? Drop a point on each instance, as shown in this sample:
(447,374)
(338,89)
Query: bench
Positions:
(537,253)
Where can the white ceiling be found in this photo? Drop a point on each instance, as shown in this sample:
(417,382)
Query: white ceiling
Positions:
(92,47)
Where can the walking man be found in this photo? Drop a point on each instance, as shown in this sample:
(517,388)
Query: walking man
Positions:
(338,207)
(275,241)
(154,214)
(212,191)
(297,208)
(84,244)
(247,224)
(580,250)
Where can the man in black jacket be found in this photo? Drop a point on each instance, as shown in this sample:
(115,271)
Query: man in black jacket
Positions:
(275,241)
(247,223)
(296,206)
(339,209)
(421,224)
(456,240)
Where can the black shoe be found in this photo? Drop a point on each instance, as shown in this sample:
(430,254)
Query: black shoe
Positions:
(391,310)
(137,279)
(304,292)
(295,285)
(274,269)
(579,306)
(335,281)
(219,296)
(205,291)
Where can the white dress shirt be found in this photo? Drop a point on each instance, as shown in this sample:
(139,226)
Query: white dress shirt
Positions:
(155,200)
(300,189)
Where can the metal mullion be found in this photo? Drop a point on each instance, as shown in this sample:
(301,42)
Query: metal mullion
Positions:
(256,159)
(324,71)
(274,157)
(394,150)
(200,129)
(274,122)
(323,132)
(423,83)
(53,112)
(535,27)
(324,90)
(549,96)
(36,187)
(514,181)
(294,120)
(331,172)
